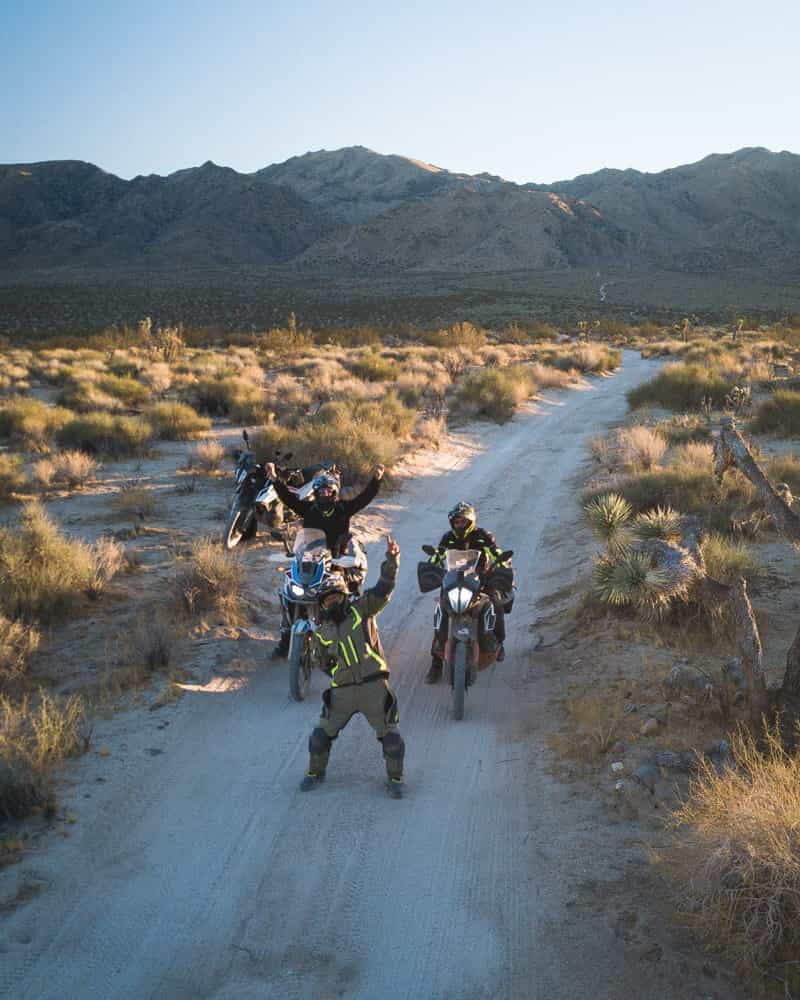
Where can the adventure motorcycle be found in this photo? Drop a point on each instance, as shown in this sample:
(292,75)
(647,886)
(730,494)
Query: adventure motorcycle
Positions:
(255,499)
(470,645)
(312,563)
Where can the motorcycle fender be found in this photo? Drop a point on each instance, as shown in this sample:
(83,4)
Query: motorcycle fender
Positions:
(298,633)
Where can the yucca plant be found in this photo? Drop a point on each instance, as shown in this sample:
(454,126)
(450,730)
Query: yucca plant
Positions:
(631,579)
(660,522)
(608,515)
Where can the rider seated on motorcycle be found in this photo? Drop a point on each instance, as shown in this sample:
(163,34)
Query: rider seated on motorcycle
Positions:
(465,534)
(327,513)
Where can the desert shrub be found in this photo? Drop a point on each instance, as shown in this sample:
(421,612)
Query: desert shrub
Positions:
(513,333)
(431,431)
(779,413)
(735,861)
(371,366)
(463,335)
(66,469)
(357,434)
(358,336)
(495,393)
(549,377)
(43,575)
(43,730)
(106,434)
(542,331)
(241,400)
(212,582)
(682,387)
(84,396)
(124,388)
(687,489)
(727,559)
(157,377)
(684,428)
(18,642)
(693,455)
(31,422)
(207,456)
(608,514)
(176,421)
(640,446)
(134,500)
(587,358)
(785,469)
(629,577)
(12,475)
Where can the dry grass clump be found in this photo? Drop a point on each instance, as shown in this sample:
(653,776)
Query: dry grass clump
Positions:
(12,475)
(68,469)
(640,447)
(176,421)
(35,735)
(18,643)
(727,559)
(550,377)
(30,422)
(683,428)
(157,376)
(207,456)
(694,455)
(780,413)
(212,582)
(106,434)
(586,358)
(683,387)
(736,859)
(84,396)
(495,393)
(134,500)
(372,366)
(43,575)
(431,431)
(459,335)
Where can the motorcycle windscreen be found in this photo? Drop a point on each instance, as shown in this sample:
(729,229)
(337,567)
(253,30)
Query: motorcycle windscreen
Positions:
(467,560)
(310,543)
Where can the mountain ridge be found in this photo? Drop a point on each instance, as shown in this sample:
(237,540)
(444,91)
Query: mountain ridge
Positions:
(356,209)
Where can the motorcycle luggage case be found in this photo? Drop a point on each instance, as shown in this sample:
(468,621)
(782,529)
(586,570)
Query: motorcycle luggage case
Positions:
(429,577)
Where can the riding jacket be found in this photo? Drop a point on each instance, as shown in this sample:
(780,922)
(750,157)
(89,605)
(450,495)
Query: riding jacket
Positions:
(350,651)
(335,521)
(475,538)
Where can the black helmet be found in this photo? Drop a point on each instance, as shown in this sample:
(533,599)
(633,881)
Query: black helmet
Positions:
(466,510)
(333,584)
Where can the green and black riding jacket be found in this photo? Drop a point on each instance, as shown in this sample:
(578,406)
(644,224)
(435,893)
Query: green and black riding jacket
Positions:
(476,538)
(350,651)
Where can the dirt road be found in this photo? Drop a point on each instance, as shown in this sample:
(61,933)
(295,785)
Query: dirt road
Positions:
(201,871)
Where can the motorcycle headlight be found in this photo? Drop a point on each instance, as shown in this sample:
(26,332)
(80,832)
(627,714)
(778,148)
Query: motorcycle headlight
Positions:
(296,591)
(460,598)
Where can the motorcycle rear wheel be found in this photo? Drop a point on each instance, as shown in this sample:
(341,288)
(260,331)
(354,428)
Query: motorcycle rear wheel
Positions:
(459,680)
(300,667)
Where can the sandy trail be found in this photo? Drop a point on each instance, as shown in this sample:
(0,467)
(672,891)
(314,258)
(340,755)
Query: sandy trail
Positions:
(201,871)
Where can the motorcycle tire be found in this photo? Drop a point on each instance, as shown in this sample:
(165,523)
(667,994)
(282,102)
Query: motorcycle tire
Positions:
(233,533)
(459,680)
(300,667)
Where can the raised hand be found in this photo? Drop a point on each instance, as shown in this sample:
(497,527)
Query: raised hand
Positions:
(392,548)
(379,471)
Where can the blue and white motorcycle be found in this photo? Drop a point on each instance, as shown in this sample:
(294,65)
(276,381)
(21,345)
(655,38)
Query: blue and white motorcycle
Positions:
(313,562)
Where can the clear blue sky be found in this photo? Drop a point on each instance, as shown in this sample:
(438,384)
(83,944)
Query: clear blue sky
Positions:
(537,92)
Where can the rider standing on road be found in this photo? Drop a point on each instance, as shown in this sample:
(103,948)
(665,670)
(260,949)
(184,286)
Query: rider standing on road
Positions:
(326,512)
(465,534)
(348,649)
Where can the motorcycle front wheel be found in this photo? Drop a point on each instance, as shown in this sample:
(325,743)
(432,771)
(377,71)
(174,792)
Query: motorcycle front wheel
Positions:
(459,680)
(238,529)
(300,666)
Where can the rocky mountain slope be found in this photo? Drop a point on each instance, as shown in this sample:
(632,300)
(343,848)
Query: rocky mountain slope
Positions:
(361,211)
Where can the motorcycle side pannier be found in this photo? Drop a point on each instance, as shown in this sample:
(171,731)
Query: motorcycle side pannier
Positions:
(429,577)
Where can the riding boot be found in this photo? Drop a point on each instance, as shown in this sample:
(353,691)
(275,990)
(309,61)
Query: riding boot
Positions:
(282,648)
(434,674)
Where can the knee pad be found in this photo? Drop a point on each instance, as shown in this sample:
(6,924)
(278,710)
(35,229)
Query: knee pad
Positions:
(319,742)
(393,745)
